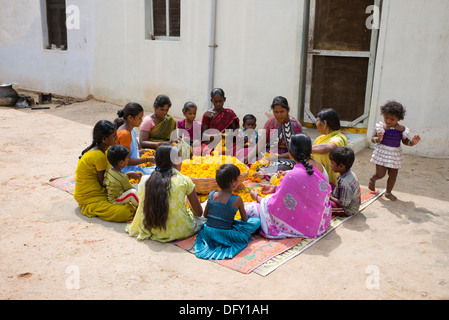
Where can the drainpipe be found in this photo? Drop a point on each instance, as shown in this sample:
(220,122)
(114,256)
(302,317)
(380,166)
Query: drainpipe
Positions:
(212,46)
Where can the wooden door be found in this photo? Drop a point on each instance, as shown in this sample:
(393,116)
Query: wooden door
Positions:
(340,59)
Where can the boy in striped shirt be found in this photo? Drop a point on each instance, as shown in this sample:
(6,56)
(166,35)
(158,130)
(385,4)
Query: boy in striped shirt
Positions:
(346,197)
(120,190)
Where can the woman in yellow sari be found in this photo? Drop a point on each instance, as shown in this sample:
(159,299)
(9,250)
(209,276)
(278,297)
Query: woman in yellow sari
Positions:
(328,124)
(156,129)
(89,192)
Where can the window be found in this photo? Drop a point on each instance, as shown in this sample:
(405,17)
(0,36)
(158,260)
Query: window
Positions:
(57,30)
(162,19)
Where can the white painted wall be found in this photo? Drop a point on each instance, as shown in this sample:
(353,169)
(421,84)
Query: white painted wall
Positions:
(130,68)
(257,57)
(24,60)
(413,69)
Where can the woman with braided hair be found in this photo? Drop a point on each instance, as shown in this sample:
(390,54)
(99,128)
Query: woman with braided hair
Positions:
(90,192)
(162,214)
(300,205)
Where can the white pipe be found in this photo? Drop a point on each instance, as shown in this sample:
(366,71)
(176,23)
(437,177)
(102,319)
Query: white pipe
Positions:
(212,46)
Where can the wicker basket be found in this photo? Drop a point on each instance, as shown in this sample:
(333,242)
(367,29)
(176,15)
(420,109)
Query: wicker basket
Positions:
(206,185)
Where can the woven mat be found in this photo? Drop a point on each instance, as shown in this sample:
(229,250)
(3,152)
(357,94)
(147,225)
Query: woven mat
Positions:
(66,183)
(263,256)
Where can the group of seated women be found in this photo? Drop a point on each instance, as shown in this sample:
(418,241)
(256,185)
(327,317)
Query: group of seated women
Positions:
(299,206)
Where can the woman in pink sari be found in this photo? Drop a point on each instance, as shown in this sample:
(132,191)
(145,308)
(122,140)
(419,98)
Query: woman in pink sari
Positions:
(300,205)
(218,118)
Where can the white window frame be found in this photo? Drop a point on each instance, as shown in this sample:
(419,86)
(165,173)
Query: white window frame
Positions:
(149,15)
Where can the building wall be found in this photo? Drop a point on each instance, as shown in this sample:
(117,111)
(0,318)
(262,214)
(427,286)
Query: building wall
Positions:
(257,57)
(24,60)
(413,68)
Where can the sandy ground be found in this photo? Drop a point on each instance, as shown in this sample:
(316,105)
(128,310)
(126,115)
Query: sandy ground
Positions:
(390,251)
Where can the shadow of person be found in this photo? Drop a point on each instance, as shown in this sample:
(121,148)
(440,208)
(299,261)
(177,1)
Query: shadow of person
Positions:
(408,212)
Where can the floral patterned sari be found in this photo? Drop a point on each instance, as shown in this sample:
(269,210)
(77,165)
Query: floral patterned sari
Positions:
(300,207)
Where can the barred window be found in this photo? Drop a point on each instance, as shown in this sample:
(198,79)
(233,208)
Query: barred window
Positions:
(162,19)
(57,30)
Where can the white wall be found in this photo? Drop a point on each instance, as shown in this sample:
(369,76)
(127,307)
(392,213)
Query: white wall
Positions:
(24,60)
(130,68)
(413,69)
(257,57)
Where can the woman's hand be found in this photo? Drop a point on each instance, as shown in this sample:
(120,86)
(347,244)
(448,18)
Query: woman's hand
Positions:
(134,175)
(158,144)
(254,193)
(268,188)
(210,114)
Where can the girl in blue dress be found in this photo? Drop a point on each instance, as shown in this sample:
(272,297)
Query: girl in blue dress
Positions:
(223,237)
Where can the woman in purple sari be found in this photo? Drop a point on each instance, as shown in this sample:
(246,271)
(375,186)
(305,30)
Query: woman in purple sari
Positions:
(300,205)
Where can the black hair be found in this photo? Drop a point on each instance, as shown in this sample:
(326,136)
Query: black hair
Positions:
(394,108)
(162,100)
(343,155)
(157,189)
(102,129)
(131,109)
(116,153)
(280,101)
(300,149)
(189,105)
(249,117)
(331,117)
(216,91)
(225,174)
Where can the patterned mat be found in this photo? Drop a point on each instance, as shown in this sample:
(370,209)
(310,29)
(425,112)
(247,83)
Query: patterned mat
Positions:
(263,256)
(66,183)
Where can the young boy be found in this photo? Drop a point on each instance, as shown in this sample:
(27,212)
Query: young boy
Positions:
(120,190)
(346,196)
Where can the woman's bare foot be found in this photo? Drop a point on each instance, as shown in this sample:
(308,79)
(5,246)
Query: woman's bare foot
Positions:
(390,196)
(372,185)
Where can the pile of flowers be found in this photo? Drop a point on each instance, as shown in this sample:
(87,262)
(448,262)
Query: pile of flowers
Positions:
(148,153)
(205,167)
(254,168)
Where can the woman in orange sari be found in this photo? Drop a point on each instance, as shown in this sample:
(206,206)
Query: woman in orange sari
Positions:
(218,118)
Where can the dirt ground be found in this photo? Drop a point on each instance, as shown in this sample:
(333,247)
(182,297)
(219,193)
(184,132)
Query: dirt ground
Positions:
(389,251)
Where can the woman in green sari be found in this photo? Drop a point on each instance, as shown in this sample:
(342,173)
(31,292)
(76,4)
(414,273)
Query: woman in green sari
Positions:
(156,128)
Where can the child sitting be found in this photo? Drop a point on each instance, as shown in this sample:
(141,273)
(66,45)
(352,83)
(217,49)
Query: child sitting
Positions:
(223,237)
(120,190)
(247,140)
(346,197)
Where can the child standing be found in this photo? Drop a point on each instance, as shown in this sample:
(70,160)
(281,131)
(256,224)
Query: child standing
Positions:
(223,237)
(89,190)
(346,197)
(120,190)
(247,140)
(387,154)
(130,118)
